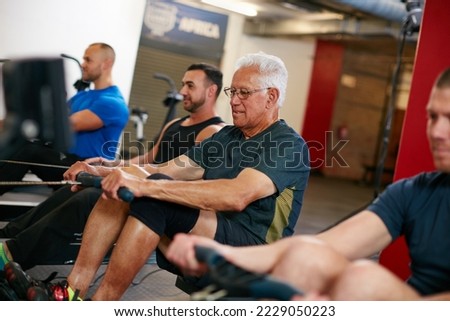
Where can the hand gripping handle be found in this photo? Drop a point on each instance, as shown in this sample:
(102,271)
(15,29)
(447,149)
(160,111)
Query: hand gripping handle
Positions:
(87,179)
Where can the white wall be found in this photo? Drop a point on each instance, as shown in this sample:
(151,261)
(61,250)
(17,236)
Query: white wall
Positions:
(36,28)
(298,55)
(231,54)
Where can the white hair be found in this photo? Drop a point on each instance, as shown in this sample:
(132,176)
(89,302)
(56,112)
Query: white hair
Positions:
(272,68)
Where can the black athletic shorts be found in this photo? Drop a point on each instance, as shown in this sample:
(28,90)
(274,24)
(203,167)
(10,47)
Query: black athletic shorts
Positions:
(170,218)
(164,217)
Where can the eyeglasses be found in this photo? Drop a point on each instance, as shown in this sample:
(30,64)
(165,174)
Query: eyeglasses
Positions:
(241,93)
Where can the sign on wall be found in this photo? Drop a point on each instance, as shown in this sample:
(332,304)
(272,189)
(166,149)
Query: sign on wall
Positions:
(183,29)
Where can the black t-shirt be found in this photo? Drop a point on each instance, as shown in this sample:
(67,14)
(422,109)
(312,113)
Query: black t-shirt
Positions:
(278,152)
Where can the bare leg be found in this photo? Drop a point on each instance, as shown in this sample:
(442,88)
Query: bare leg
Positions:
(310,265)
(102,229)
(367,280)
(206,224)
(135,244)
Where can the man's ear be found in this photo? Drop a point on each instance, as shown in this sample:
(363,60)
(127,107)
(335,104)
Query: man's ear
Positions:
(273,96)
(107,64)
(212,90)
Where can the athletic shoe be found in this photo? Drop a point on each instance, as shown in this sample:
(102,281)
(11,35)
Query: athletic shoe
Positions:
(51,292)
(6,293)
(17,279)
(29,289)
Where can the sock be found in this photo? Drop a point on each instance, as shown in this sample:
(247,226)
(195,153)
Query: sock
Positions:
(3,258)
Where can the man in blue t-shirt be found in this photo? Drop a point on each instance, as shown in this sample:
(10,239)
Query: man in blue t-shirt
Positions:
(97,116)
(333,264)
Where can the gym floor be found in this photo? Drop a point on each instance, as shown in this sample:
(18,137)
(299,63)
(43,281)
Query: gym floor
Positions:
(326,201)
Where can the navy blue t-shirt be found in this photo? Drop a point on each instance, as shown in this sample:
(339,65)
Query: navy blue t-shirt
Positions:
(278,152)
(419,209)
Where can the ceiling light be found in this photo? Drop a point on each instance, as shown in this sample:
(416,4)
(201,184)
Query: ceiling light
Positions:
(239,7)
(324,16)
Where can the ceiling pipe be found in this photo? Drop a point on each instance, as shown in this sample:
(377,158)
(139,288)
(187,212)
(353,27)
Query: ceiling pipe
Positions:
(392,10)
(392,15)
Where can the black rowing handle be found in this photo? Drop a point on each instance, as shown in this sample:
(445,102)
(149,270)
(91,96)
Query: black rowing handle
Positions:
(241,283)
(87,179)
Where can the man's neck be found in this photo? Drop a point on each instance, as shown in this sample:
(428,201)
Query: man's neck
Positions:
(103,83)
(200,116)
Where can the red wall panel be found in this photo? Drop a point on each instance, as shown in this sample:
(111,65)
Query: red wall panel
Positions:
(325,78)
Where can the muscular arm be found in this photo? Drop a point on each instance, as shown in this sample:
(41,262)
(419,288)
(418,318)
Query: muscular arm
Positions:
(359,236)
(252,258)
(218,195)
(256,258)
(85,120)
(180,168)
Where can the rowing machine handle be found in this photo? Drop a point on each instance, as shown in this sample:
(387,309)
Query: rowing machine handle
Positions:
(240,282)
(87,179)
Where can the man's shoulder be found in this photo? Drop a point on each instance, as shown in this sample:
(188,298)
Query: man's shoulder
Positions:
(430,178)
(229,130)
(112,91)
(425,177)
(112,96)
(284,126)
(422,182)
(281,131)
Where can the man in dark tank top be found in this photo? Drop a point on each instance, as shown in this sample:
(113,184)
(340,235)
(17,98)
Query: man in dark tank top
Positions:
(199,85)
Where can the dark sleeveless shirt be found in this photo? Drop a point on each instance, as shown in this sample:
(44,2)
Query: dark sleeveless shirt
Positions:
(177,139)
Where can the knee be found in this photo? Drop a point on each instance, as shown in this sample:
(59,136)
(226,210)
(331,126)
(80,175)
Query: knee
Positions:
(310,264)
(354,279)
(84,201)
(367,280)
(109,207)
(314,253)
